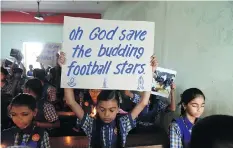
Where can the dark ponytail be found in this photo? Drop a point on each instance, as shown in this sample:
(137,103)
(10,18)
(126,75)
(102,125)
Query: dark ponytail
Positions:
(188,95)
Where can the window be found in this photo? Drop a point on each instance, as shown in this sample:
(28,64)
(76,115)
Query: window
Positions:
(30,51)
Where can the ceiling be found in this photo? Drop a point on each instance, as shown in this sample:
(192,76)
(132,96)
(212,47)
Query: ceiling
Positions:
(56,6)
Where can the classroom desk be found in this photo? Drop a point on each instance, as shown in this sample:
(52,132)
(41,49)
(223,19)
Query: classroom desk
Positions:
(64,114)
(65,137)
(133,140)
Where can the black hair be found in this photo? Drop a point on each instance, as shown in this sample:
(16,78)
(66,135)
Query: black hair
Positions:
(52,71)
(188,95)
(35,85)
(40,74)
(15,66)
(213,132)
(24,100)
(4,71)
(17,70)
(106,95)
(30,66)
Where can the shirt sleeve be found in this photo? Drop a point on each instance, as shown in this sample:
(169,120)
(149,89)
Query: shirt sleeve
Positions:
(50,113)
(175,136)
(162,106)
(52,94)
(86,124)
(136,98)
(7,88)
(127,123)
(45,142)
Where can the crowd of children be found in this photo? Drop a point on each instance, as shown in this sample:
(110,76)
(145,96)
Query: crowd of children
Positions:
(30,101)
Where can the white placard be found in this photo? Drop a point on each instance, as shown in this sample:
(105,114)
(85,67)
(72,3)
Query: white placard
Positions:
(48,54)
(107,54)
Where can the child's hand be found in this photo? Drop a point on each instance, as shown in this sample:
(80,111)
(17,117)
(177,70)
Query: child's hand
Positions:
(129,93)
(61,59)
(173,86)
(154,63)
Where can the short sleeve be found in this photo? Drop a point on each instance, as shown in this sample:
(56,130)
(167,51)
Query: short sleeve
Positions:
(127,123)
(50,113)
(45,142)
(87,124)
(136,98)
(163,106)
(175,136)
(52,94)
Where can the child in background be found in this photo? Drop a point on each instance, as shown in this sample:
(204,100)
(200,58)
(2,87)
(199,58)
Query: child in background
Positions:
(6,86)
(46,116)
(192,106)
(22,110)
(30,71)
(213,132)
(107,129)
(152,111)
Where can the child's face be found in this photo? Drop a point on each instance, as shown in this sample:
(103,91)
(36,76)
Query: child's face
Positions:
(107,110)
(94,94)
(196,107)
(22,116)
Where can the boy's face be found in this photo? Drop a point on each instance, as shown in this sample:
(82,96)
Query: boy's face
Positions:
(22,116)
(107,110)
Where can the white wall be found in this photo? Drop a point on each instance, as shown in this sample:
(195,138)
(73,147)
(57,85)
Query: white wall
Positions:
(194,38)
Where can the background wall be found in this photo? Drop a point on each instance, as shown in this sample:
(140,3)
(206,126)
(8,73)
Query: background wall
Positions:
(193,38)
(13,35)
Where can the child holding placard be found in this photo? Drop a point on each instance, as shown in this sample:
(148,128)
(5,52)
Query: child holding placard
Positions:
(153,110)
(107,129)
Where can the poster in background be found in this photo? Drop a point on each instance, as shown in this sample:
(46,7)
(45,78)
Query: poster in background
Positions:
(107,54)
(162,81)
(48,54)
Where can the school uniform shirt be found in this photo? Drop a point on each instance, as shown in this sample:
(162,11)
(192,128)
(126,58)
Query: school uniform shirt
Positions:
(125,103)
(7,88)
(107,132)
(30,73)
(180,132)
(147,117)
(26,137)
(49,92)
(83,98)
(46,112)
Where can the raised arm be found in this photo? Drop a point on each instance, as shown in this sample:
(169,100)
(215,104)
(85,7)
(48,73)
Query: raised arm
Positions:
(145,96)
(70,101)
(69,94)
(172,96)
(135,98)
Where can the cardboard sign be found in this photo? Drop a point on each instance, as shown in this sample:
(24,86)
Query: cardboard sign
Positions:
(107,54)
(48,54)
